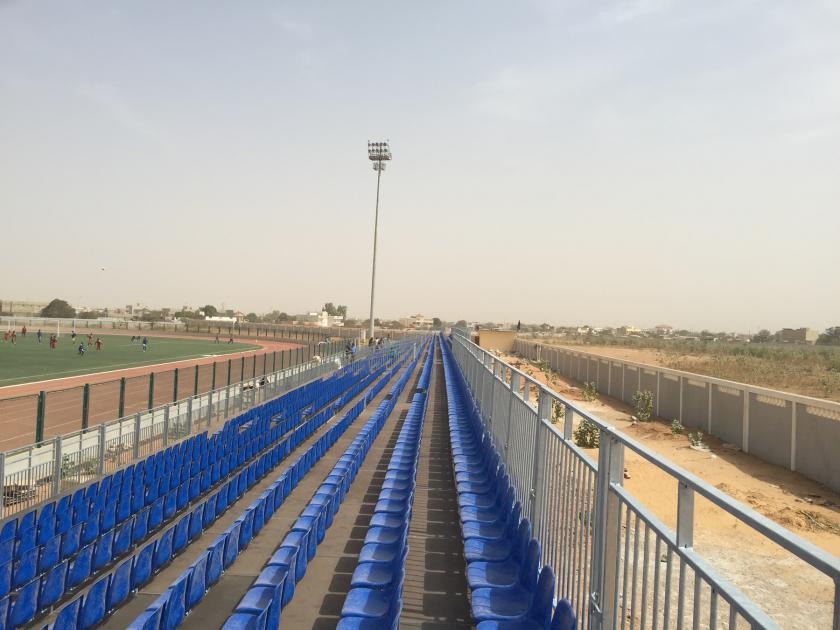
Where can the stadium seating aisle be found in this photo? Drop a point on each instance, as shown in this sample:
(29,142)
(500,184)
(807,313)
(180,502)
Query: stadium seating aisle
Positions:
(102,524)
(509,588)
(375,598)
(275,586)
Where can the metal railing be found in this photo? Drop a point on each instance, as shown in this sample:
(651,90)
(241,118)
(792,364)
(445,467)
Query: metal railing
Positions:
(798,432)
(33,474)
(623,563)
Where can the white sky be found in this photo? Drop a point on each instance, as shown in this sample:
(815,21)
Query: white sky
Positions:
(639,161)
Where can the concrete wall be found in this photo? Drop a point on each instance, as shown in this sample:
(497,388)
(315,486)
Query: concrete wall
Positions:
(797,432)
(502,340)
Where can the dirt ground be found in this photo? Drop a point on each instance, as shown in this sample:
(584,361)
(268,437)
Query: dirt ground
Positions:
(807,508)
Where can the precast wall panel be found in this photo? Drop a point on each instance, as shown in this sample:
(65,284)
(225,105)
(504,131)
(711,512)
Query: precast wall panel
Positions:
(728,414)
(695,405)
(770,427)
(817,436)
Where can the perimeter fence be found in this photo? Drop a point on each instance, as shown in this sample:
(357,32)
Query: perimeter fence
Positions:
(655,557)
(798,432)
(39,472)
(36,417)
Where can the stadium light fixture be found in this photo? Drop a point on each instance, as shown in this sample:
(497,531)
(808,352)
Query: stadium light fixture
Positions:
(379,153)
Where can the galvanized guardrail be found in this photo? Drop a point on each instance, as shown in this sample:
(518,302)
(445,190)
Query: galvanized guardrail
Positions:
(622,563)
(46,470)
(798,432)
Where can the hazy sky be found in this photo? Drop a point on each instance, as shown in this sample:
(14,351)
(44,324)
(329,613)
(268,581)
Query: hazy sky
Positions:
(570,161)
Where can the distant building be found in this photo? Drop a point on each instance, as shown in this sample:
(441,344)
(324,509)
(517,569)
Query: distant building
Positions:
(222,319)
(416,321)
(664,330)
(625,331)
(797,335)
(22,308)
(322,319)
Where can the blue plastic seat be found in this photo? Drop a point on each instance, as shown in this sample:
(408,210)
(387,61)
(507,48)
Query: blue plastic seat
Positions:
(209,511)
(170,504)
(25,605)
(71,541)
(163,550)
(90,530)
(103,551)
(286,559)
(79,568)
(25,568)
(52,586)
(215,563)
(538,614)
(232,543)
(510,604)
(262,600)
(196,521)
(176,608)
(46,523)
(50,554)
(120,586)
(156,514)
(197,586)
(108,517)
(141,526)
(122,538)
(68,617)
(93,605)
(141,570)
(6,578)
(245,621)
(179,538)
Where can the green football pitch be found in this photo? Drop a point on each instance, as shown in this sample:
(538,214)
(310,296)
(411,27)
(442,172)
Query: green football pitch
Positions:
(29,361)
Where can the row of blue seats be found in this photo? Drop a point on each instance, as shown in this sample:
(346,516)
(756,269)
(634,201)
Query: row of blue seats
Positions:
(35,542)
(71,570)
(174,540)
(375,597)
(261,606)
(508,589)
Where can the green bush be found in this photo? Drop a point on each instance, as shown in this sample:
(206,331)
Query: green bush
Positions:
(677,427)
(590,391)
(587,434)
(643,404)
(558,410)
(696,439)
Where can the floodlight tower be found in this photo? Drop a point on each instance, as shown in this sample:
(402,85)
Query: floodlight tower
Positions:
(378,153)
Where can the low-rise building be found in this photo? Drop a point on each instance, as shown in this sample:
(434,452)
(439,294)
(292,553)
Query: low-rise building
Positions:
(22,308)
(797,335)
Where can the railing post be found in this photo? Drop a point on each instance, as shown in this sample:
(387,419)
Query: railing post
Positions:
(121,406)
(151,390)
(39,419)
(189,415)
(210,407)
(166,426)
(538,468)
(242,369)
(195,385)
(603,611)
(2,483)
(230,365)
(137,434)
(56,485)
(175,386)
(101,466)
(227,399)
(568,422)
(85,406)
(213,378)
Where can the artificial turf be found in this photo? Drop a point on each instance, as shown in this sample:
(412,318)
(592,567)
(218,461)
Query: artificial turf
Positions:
(29,361)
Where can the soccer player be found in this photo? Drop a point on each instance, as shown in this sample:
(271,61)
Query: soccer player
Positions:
(145,343)
(81,349)
(23,331)
(40,335)
(90,339)
(14,338)
(98,344)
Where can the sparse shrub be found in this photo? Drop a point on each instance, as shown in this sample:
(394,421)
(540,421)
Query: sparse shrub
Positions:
(696,439)
(677,427)
(587,434)
(590,391)
(558,410)
(643,404)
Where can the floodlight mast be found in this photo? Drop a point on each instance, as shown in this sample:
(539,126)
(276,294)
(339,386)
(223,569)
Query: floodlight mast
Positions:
(378,153)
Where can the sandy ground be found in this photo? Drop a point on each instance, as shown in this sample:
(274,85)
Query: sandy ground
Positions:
(805,507)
